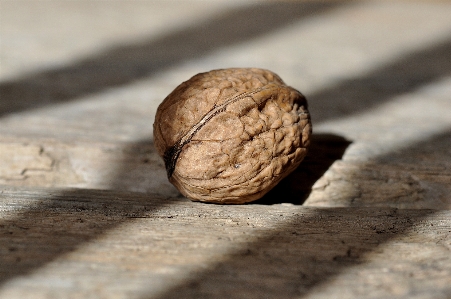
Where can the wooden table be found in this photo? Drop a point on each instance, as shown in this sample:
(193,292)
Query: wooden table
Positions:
(86,210)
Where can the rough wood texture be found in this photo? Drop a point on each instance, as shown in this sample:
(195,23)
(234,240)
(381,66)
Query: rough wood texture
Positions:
(86,210)
(176,248)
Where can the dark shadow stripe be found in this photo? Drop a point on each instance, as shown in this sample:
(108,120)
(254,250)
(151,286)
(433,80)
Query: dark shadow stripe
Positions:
(66,235)
(286,261)
(78,210)
(404,75)
(126,63)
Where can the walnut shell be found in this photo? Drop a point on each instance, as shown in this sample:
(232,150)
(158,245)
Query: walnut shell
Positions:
(230,135)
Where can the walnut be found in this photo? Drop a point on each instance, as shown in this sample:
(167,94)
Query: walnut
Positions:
(230,135)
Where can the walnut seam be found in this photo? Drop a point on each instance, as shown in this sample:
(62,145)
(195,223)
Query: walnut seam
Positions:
(172,154)
(230,135)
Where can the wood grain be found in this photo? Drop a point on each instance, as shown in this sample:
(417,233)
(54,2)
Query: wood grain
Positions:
(97,235)
(86,210)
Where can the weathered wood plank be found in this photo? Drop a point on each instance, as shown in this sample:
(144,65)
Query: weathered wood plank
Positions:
(86,210)
(323,179)
(58,240)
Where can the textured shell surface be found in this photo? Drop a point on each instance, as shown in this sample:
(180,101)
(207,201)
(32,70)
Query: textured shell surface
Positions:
(230,135)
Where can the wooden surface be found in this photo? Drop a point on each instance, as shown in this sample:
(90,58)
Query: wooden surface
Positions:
(86,210)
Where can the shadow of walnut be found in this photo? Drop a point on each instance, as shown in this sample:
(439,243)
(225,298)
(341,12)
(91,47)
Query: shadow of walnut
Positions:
(324,150)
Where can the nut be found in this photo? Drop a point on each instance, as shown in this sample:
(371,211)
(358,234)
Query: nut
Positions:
(230,135)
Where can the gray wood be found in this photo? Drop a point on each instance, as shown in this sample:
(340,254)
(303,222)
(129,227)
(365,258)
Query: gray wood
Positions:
(86,210)
(282,250)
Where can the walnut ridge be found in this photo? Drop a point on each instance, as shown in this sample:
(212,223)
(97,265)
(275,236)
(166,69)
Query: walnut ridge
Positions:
(230,135)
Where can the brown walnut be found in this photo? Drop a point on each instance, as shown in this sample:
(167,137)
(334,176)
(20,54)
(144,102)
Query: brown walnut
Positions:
(230,135)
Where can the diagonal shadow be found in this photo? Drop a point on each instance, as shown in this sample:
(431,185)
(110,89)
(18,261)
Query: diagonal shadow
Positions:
(283,259)
(42,233)
(70,218)
(75,217)
(324,150)
(354,96)
(362,93)
(308,251)
(301,255)
(126,63)
(58,225)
